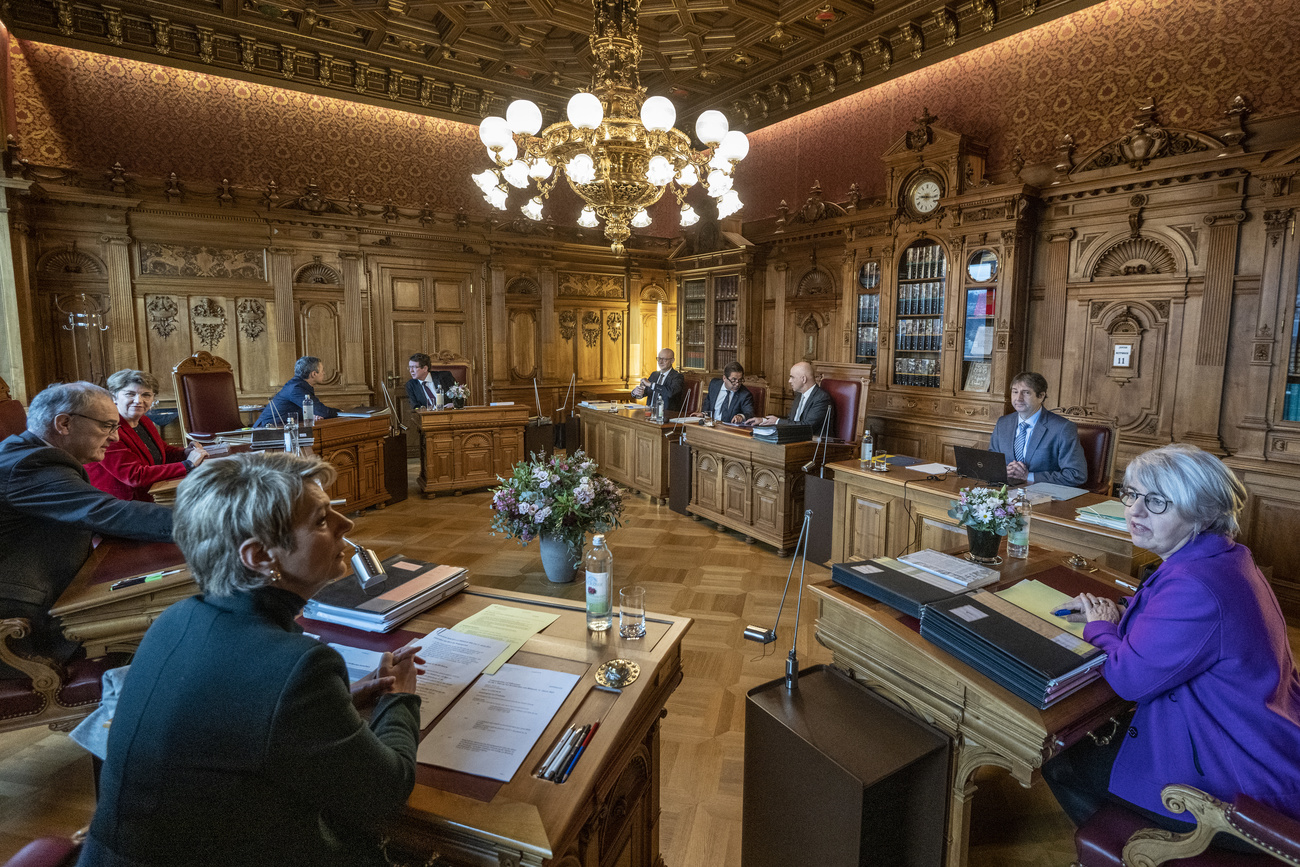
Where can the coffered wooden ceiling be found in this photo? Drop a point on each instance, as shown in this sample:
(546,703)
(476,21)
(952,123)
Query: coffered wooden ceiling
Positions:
(757,60)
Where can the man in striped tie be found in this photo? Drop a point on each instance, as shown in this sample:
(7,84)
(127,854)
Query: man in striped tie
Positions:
(1040,445)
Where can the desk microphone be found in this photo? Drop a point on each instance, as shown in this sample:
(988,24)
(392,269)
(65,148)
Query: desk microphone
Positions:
(367,565)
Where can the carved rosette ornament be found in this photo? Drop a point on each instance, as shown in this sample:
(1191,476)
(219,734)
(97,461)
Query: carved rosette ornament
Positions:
(568,324)
(614,326)
(208,318)
(252,318)
(162,312)
(591,327)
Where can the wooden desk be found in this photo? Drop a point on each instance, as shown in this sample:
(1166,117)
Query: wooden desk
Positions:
(988,724)
(107,620)
(463,449)
(629,448)
(353,446)
(883,514)
(750,485)
(608,811)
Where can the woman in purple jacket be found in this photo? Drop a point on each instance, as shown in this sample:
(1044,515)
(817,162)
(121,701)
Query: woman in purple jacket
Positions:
(1202,648)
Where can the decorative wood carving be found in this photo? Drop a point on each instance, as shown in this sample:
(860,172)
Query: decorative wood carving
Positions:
(572,285)
(162,312)
(318,273)
(816,282)
(1147,140)
(614,326)
(523,286)
(173,260)
(568,324)
(252,317)
(69,261)
(208,319)
(654,293)
(1131,256)
(591,327)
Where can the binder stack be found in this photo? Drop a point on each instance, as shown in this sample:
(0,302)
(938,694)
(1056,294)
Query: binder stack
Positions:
(901,586)
(412,586)
(1034,659)
(783,433)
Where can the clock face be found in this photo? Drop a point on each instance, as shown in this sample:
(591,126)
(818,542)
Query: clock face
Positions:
(925,196)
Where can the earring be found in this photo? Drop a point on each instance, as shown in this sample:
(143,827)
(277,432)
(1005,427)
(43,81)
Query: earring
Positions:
(275,576)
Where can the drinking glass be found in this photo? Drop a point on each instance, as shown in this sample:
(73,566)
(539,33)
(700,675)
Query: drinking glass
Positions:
(631,612)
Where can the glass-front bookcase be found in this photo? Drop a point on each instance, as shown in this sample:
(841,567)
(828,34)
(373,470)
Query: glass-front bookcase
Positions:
(1291,399)
(981,280)
(693,322)
(726,303)
(868,313)
(918,332)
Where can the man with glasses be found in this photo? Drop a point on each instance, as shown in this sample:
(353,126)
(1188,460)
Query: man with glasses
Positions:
(1040,446)
(728,399)
(308,372)
(49,510)
(664,383)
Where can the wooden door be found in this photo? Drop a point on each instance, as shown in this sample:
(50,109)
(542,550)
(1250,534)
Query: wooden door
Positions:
(425,310)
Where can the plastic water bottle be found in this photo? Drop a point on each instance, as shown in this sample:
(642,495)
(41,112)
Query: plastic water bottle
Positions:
(438,397)
(291,436)
(1018,540)
(600,583)
(868,448)
(308,411)
(661,410)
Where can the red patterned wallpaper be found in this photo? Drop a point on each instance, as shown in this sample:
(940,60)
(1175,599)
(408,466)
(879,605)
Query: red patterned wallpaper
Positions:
(1083,74)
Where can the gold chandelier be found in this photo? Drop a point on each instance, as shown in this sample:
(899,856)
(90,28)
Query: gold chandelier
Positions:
(618,150)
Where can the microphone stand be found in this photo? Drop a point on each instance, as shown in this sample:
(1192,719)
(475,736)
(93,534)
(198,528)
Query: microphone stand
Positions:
(826,420)
(767,636)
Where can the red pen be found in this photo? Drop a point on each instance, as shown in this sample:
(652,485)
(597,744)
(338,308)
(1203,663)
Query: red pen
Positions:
(581,747)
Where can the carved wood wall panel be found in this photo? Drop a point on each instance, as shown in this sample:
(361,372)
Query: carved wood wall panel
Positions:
(523,344)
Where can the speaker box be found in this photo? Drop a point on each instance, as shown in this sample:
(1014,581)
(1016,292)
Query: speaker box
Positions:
(819,495)
(679,477)
(838,777)
(396,480)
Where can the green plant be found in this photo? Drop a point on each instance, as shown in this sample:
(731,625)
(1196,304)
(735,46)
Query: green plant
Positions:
(561,496)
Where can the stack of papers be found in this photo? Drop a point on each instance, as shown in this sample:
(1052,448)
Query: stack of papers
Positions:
(1038,661)
(412,586)
(901,586)
(602,405)
(956,569)
(1107,514)
(1054,492)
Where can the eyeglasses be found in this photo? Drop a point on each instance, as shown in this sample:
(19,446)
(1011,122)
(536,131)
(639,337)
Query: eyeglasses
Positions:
(735,380)
(107,427)
(1155,503)
(663,358)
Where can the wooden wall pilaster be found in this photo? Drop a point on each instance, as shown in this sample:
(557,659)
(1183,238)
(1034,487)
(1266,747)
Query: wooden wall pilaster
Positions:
(1051,340)
(286,342)
(121,314)
(354,322)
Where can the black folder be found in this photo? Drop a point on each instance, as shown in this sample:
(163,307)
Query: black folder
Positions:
(783,433)
(886,580)
(1032,658)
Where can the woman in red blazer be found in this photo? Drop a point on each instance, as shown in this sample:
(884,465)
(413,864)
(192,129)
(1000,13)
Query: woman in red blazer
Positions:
(139,457)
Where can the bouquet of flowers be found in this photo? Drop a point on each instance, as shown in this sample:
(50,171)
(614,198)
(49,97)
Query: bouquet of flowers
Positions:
(989,510)
(458,393)
(560,496)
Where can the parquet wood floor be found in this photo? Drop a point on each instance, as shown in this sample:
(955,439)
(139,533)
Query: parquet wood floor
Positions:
(689,568)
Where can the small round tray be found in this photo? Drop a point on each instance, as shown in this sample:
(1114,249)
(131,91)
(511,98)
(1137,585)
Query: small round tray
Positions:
(618,673)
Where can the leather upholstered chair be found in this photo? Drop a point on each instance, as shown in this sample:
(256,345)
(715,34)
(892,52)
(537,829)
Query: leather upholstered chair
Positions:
(13,418)
(1099,436)
(848,398)
(459,367)
(51,694)
(692,392)
(205,395)
(758,389)
(1117,837)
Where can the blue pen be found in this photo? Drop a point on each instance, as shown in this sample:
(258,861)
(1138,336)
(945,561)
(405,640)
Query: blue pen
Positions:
(591,731)
(1061,612)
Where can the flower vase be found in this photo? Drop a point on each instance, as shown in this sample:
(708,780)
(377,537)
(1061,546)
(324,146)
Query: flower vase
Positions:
(458,402)
(984,545)
(558,559)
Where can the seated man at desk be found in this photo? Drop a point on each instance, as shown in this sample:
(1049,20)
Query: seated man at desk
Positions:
(812,406)
(728,400)
(664,382)
(307,373)
(1040,445)
(424,383)
(49,510)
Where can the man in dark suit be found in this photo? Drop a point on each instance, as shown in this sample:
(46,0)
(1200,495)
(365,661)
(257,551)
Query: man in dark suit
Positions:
(664,383)
(424,383)
(307,374)
(49,510)
(1039,445)
(727,399)
(812,405)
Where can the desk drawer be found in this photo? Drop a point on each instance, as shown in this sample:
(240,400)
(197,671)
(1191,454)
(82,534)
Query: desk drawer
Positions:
(972,411)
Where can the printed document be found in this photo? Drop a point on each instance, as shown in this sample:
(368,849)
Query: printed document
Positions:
(451,662)
(505,623)
(489,732)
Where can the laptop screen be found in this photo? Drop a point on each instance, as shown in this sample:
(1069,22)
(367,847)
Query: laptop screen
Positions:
(981,464)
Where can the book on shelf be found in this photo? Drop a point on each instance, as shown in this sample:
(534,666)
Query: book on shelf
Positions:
(979,376)
(412,586)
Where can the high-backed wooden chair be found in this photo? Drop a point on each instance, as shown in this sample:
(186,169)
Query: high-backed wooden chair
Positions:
(1117,837)
(51,694)
(758,388)
(459,367)
(13,418)
(1099,436)
(850,400)
(205,395)
(692,392)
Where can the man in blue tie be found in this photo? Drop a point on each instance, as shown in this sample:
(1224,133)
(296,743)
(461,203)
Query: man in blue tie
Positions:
(728,399)
(1040,445)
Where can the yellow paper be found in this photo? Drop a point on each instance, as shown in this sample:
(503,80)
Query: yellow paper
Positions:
(505,623)
(1040,600)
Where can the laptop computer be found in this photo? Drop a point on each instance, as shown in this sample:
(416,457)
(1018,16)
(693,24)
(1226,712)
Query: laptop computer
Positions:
(982,464)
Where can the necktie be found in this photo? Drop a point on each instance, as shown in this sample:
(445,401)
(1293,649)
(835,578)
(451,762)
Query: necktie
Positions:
(1022,434)
(428,390)
(798,413)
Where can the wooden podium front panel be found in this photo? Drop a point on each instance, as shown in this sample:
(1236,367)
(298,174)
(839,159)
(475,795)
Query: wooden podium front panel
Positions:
(753,487)
(355,448)
(462,449)
(629,448)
